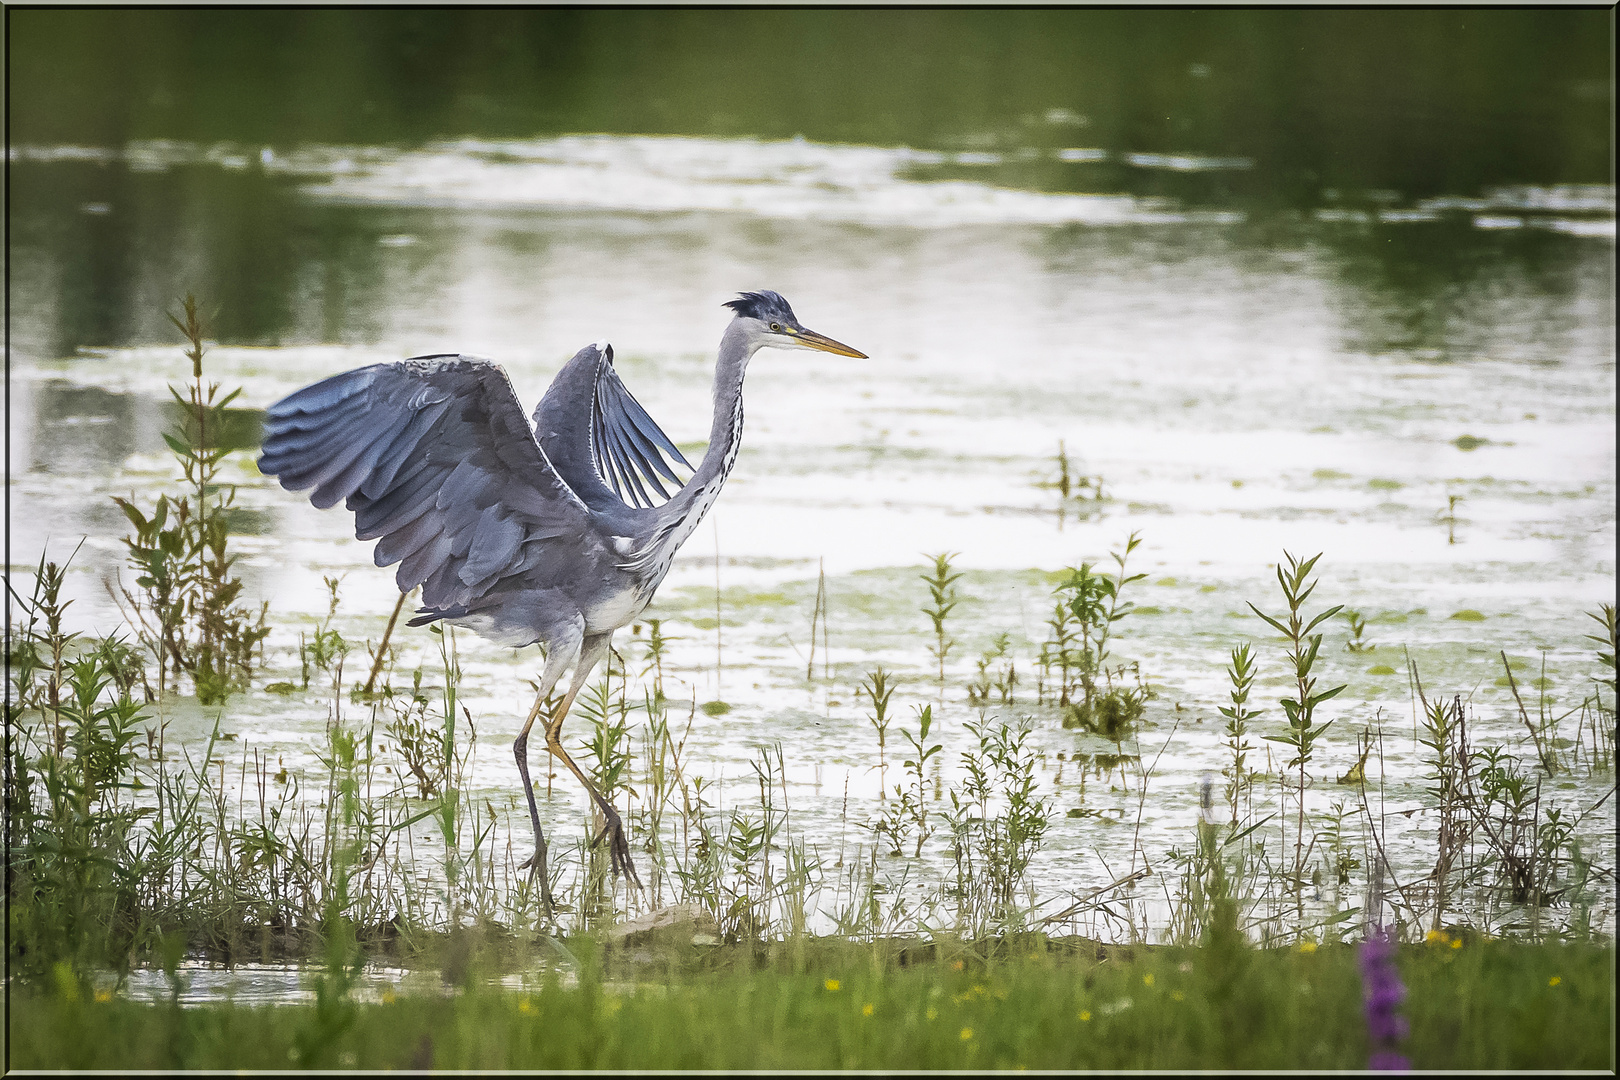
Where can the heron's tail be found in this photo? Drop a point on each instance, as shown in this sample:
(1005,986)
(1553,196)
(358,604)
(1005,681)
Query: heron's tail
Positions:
(430,615)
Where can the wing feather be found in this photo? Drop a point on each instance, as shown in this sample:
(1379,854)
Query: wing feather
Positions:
(435,458)
(411,497)
(600,438)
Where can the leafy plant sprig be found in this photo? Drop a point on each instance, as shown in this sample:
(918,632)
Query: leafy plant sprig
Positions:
(1238,714)
(1096,601)
(878,688)
(1302,731)
(942,598)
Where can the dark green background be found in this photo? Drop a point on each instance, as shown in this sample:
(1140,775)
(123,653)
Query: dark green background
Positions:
(1422,102)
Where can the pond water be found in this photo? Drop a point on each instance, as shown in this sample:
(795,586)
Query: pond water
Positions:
(1421,387)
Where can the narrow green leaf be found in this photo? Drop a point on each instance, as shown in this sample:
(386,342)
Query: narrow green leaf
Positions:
(1327,694)
(1328,614)
(1281,629)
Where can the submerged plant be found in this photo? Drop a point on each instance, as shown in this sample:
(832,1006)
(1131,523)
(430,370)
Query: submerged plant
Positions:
(1358,629)
(1096,602)
(1000,681)
(1070,485)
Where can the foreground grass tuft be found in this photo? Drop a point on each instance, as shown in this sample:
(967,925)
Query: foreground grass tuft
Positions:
(1483,1005)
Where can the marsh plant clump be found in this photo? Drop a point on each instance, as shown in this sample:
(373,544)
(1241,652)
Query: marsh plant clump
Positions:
(1089,604)
(186,605)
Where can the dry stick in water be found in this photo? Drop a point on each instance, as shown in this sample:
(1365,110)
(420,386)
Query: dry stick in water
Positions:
(382,649)
(818,613)
(1513,685)
(821,587)
(1383,856)
(1141,798)
(1087,900)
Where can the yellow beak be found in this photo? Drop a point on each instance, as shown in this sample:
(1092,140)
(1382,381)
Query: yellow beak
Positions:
(827,344)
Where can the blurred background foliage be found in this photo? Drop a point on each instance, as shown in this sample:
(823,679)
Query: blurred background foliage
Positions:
(1421,101)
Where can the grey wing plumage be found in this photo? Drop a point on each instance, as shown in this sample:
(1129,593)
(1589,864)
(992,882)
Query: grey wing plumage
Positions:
(600,438)
(435,459)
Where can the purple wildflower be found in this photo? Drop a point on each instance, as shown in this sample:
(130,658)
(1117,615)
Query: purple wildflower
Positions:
(1383,992)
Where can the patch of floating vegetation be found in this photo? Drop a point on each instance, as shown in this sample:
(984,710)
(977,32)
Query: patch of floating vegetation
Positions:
(1467,615)
(1469,442)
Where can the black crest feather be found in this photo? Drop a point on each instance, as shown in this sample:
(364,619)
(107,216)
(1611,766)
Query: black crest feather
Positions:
(762,305)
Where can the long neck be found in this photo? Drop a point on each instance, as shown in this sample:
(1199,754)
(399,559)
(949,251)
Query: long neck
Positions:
(682,513)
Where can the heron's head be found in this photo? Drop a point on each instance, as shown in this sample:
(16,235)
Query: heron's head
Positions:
(771,323)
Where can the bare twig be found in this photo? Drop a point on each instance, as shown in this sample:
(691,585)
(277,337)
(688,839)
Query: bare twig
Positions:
(1524,714)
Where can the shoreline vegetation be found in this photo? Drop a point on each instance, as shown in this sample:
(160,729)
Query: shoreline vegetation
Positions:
(126,851)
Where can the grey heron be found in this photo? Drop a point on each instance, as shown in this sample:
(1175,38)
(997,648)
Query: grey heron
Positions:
(528,535)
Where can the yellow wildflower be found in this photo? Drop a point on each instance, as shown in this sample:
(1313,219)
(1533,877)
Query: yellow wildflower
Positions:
(1085,1016)
(1177,995)
(1436,936)
(1147,980)
(866,1010)
(832,984)
(1554,981)
(1307,946)
(523,1006)
(967,1033)
(103,996)
(933,1013)
(1457,943)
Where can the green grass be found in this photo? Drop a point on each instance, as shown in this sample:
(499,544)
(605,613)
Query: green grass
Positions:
(1491,1005)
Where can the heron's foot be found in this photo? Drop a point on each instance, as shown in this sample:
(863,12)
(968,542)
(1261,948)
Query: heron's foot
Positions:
(618,844)
(536,866)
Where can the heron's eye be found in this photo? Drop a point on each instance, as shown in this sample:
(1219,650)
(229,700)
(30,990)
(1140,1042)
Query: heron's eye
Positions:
(776,328)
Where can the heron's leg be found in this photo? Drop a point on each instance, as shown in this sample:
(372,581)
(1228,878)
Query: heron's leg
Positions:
(562,650)
(594,648)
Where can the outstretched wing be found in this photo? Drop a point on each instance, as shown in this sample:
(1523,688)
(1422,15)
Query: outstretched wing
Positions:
(436,461)
(599,437)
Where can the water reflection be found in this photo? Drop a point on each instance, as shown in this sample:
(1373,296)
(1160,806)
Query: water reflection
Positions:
(77,427)
(360,253)
(1421,102)
(1450,291)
